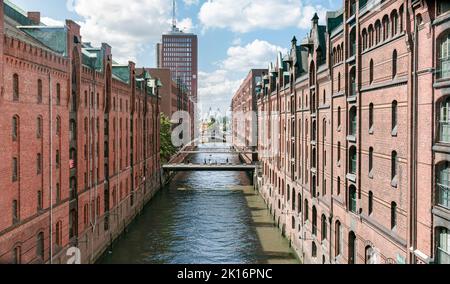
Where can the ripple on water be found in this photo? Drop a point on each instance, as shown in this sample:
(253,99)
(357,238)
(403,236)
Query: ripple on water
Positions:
(200,217)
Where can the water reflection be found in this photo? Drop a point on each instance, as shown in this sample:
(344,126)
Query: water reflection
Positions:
(199,218)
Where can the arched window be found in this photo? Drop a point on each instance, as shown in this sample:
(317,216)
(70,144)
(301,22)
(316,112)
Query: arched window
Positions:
(39,127)
(339,151)
(338,239)
(364,39)
(371,36)
(306,210)
(394,117)
(377,32)
(442,246)
(299,201)
(15,212)
(371,121)
(15,169)
(352,82)
(351,248)
(338,54)
(312,73)
(17,255)
(58,234)
(352,42)
(314,221)
(370,203)
(444,121)
(394,167)
(352,160)
(352,199)
(443,185)
(339,117)
(339,82)
(394,64)
(314,250)
(444,56)
(386,32)
(324,228)
(58,126)
(15,87)
(393,215)
(15,128)
(85,99)
(73,130)
(370,161)
(334,56)
(371,71)
(39,200)
(39,91)
(293,200)
(394,22)
(58,94)
(39,163)
(353,121)
(40,246)
(371,257)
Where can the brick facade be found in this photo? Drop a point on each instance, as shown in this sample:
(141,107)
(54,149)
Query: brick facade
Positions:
(352,174)
(80,138)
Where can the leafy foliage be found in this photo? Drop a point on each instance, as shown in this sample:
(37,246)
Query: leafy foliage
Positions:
(167,148)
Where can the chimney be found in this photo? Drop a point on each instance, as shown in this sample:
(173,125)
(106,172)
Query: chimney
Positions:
(35,17)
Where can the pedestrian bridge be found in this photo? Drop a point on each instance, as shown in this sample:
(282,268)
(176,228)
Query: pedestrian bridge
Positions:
(209,167)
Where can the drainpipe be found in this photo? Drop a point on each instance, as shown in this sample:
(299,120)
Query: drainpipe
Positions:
(414,133)
(51,165)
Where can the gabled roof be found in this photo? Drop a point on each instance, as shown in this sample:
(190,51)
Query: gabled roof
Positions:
(121,73)
(17,25)
(92,57)
(54,38)
(334,20)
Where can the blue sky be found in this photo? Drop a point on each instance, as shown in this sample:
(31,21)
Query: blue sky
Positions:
(234,35)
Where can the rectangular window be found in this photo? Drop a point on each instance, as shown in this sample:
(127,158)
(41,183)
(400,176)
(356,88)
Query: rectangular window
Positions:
(15,170)
(39,164)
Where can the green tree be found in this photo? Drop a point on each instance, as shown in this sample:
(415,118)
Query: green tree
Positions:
(167,148)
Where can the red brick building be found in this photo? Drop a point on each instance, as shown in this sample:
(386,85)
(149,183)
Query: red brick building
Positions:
(359,170)
(80,139)
(244,110)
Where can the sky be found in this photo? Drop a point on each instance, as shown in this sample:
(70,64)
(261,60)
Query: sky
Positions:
(234,35)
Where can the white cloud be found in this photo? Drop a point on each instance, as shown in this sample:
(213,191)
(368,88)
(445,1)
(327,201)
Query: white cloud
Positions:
(218,87)
(52,22)
(128,26)
(256,54)
(247,15)
(191,2)
(185,25)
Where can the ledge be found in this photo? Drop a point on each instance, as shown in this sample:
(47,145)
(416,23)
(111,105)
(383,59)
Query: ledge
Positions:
(400,81)
(351,177)
(441,19)
(442,148)
(351,59)
(380,44)
(352,99)
(339,94)
(351,138)
(392,235)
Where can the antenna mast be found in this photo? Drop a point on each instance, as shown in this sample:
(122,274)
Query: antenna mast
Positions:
(174,15)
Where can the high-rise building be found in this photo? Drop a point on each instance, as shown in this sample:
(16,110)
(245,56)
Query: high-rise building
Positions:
(178,51)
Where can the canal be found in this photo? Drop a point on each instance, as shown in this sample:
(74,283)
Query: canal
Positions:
(203,218)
